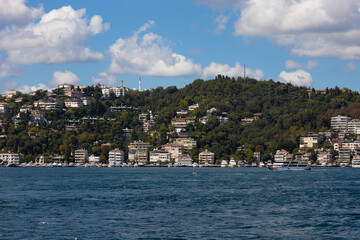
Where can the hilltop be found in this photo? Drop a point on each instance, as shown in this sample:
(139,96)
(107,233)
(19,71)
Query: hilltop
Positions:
(234,118)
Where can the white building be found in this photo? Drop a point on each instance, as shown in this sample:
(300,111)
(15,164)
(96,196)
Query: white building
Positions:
(340,123)
(94,159)
(159,156)
(12,158)
(118,91)
(74,103)
(206,157)
(116,157)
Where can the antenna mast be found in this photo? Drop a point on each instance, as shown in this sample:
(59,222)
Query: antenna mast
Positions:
(122,83)
(139,83)
(244,71)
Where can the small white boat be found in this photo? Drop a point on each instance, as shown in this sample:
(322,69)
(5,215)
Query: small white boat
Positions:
(224,163)
(232,163)
(195,164)
(261,164)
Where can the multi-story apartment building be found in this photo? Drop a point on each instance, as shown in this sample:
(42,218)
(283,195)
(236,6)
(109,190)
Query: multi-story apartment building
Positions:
(310,140)
(48,104)
(138,151)
(184,160)
(81,156)
(188,143)
(74,103)
(206,157)
(159,156)
(344,155)
(116,157)
(12,158)
(340,123)
(324,157)
(174,149)
(118,91)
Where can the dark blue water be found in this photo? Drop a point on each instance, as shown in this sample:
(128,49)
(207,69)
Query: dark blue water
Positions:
(179,203)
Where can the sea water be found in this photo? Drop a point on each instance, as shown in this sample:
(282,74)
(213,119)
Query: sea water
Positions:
(179,203)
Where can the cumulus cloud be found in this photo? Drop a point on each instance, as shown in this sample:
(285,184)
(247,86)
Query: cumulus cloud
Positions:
(315,28)
(293,65)
(221,21)
(64,77)
(145,54)
(58,37)
(27,88)
(298,78)
(15,11)
(104,78)
(224,69)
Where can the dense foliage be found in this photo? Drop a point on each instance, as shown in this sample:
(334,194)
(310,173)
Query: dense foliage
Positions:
(286,113)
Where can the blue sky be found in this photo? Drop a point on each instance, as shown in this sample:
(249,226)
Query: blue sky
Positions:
(315,43)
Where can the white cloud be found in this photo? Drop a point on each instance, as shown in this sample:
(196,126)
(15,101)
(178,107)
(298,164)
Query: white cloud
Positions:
(350,67)
(58,37)
(15,11)
(145,54)
(104,78)
(64,77)
(298,78)
(221,21)
(315,28)
(27,88)
(293,65)
(215,69)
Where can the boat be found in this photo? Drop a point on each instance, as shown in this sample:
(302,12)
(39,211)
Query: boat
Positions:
(195,164)
(224,163)
(232,163)
(290,166)
(11,165)
(261,164)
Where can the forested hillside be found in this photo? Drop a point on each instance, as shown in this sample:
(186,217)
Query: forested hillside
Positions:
(286,113)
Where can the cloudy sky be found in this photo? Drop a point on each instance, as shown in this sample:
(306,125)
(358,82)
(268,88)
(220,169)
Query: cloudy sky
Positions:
(314,43)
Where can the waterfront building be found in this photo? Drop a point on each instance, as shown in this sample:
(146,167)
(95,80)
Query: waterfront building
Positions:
(159,156)
(174,149)
(12,158)
(344,155)
(116,157)
(257,156)
(324,157)
(138,151)
(188,143)
(302,156)
(94,159)
(184,160)
(281,155)
(206,157)
(81,156)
